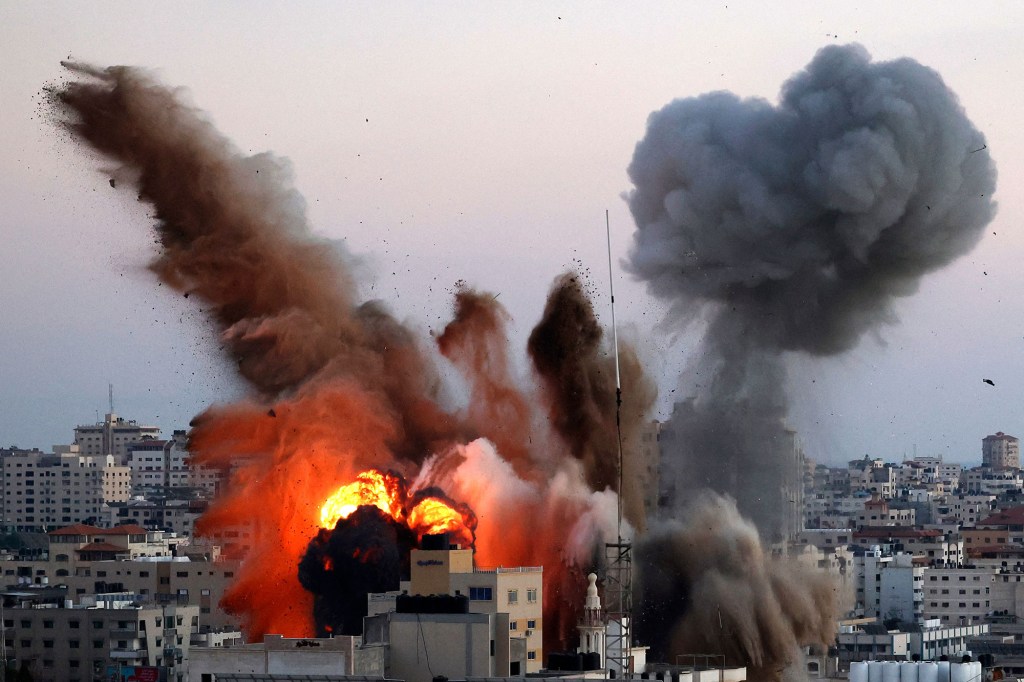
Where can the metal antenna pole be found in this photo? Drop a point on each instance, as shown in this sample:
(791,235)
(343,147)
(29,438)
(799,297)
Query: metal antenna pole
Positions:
(619,554)
(618,376)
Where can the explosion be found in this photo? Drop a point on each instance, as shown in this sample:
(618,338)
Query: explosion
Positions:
(339,386)
(795,226)
(425,512)
(368,528)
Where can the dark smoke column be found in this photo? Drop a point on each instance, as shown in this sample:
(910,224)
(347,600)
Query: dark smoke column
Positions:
(794,227)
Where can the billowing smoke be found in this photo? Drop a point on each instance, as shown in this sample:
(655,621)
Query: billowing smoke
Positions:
(788,227)
(366,552)
(580,377)
(712,566)
(338,385)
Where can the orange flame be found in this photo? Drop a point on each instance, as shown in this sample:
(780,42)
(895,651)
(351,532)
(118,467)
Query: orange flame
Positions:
(430,515)
(371,488)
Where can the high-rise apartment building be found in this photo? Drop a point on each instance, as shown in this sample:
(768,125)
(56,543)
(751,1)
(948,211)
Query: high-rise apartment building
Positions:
(1000,451)
(112,436)
(40,491)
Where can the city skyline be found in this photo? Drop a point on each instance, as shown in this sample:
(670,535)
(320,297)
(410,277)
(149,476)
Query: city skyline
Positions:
(517,131)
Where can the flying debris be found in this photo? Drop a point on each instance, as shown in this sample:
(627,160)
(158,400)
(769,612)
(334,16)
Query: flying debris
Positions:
(989,382)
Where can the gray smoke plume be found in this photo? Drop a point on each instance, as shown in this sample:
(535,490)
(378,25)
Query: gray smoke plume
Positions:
(795,227)
(788,227)
(738,601)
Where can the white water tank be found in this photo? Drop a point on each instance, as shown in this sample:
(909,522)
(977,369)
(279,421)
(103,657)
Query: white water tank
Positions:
(859,671)
(890,671)
(960,672)
(928,672)
(908,671)
(874,671)
(943,671)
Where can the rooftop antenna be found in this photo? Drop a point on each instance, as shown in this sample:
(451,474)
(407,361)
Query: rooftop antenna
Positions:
(618,554)
(110,397)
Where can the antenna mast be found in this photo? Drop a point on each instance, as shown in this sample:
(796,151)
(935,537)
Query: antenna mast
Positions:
(110,397)
(619,554)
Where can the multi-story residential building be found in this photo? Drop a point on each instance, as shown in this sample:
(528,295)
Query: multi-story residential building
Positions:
(129,559)
(932,545)
(928,641)
(960,595)
(825,538)
(517,592)
(62,641)
(112,436)
(889,586)
(1000,451)
(873,476)
(876,512)
(160,465)
(1005,527)
(42,491)
(985,481)
(173,516)
(962,509)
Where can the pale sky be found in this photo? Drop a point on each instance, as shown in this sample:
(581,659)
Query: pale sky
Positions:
(483,142)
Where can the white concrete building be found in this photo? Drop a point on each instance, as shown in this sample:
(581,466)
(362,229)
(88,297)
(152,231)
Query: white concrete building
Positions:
(42,491)
(274,655)
(889,587)
(959,595)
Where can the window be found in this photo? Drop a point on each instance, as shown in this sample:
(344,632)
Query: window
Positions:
(531,655)
(513,596)
(531,625)
(480,594)
(531,596)
(513,625)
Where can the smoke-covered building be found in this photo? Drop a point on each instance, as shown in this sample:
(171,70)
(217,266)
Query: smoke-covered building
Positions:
(1000,451)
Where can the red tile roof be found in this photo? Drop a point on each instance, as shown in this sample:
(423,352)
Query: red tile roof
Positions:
(101,547)
(1014,516)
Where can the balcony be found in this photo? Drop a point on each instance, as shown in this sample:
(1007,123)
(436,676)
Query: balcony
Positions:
(130,633)
(127,654)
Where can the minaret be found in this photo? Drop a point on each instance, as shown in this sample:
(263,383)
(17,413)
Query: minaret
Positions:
(592,628)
